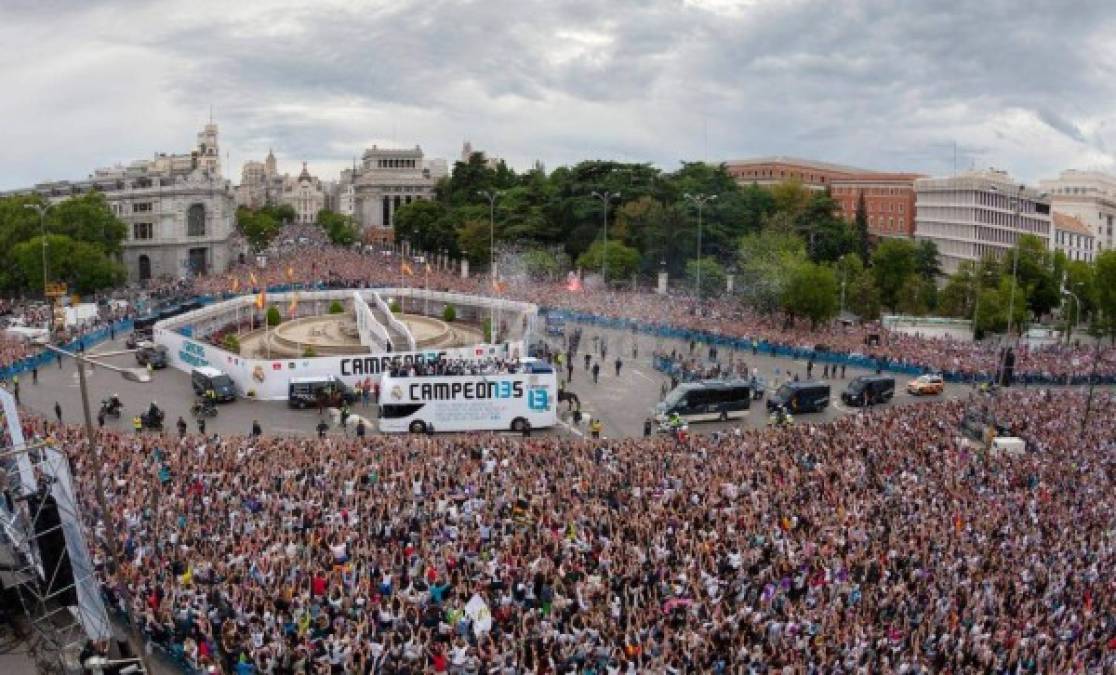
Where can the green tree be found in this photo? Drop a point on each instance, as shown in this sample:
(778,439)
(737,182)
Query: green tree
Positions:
(621,261)
(1035,272)
(258,227)
(273,316)
(449,314)
(336,307)
(1105,285)
(83,266)
(340,229)
(811,292)
(280,213)
(712,276)
(862,297)
(860,221)
(542,264)
(927,261)
(957,296)
(231,343)
(893,261)
(826,234)
(765,261)
(1079,280)
(473,242)
(427,225)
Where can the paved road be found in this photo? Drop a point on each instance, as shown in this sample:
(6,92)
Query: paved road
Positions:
(169,387)
(622,403)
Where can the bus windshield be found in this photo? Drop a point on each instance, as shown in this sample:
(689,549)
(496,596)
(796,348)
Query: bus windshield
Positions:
(784,392)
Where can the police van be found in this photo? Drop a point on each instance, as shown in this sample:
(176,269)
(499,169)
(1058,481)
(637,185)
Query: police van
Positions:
(516,402)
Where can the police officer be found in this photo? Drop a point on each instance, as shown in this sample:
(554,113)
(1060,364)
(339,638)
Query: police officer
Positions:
(595,428)
(201,426)
(137,423)
(322,428)
(360,430)
(256,430)
(181,427)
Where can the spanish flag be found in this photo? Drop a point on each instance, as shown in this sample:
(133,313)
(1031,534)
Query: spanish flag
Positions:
(236,285)
(261,299)
(290,273)
(293,306)
(252,278)
(407,269)
(498,286)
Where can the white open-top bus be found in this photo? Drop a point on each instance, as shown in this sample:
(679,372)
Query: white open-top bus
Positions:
(520,401)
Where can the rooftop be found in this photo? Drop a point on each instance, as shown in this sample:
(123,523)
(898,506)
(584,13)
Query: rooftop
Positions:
(798,161)
(1068,223)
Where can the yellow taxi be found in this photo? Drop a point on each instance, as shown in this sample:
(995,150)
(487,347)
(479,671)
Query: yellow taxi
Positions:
(926,385)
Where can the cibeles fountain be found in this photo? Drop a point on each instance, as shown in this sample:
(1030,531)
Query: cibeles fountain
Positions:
(339,334)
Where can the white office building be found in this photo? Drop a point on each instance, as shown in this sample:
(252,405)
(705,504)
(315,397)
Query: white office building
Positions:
(1089,196)
(976,214)
(180,213)
(1073,238)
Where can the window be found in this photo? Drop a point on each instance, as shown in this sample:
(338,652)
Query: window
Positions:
(141,207)
(195,221)
(143,231)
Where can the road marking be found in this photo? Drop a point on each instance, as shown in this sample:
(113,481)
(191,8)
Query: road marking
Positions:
(642,375)
(843,409)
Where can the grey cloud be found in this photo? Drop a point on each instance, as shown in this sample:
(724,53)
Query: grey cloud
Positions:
(865,82)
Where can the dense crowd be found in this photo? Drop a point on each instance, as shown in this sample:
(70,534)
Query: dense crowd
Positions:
(323,264)
(448,366)
(876,544)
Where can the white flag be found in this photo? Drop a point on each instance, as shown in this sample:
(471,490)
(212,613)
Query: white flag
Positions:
(477,610)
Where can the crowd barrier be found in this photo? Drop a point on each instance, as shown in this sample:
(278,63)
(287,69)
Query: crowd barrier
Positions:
(47,357)
(819,356)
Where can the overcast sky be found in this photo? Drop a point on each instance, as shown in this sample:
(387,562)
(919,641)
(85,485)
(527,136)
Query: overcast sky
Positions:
(1027,87)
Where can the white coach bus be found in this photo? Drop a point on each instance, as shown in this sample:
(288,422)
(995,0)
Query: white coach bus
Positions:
(468,402)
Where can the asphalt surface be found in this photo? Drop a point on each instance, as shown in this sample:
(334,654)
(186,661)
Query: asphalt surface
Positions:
(622,403)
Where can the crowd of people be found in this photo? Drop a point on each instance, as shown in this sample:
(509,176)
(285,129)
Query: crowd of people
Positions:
(449,366)
(875,544)
(322,264)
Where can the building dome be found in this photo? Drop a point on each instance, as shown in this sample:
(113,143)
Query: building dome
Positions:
(305,175)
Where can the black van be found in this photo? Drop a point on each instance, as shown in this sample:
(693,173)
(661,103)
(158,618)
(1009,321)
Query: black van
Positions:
(869,390)
(800,397)
(306,392)
(204,379)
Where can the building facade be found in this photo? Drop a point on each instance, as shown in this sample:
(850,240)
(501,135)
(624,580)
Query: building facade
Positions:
(1073,237)
(387,179)
(889,198)
(260,183)
(1090,197)
(977,214)
(306,195)
(179,212)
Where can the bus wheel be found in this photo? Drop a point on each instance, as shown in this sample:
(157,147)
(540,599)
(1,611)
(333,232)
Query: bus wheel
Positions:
(418,427)
(518,424)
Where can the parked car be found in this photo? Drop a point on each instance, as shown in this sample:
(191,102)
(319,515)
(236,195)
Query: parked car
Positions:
(926,385)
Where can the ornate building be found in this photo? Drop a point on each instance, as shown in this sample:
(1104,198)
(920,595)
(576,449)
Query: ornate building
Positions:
(387,179)
(180,212)
(305,194)
(260,183)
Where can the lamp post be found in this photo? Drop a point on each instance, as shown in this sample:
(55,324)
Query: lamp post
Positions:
(1018,203)
(42,209)
(605,198)
(491,196)
(699,200)
(111,527)
(1076,311)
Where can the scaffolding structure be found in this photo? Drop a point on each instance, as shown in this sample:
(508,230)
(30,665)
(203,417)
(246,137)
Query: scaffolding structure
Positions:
(43,541)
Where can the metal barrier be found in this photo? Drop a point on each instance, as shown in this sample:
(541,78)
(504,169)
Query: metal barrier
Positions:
(46,357)
(827,356)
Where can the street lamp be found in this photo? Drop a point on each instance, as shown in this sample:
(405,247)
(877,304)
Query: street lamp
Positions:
(491,196)
(132,375)
(42,209)
(699,200)
(605,198)
(1018,203)
(1076,311)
